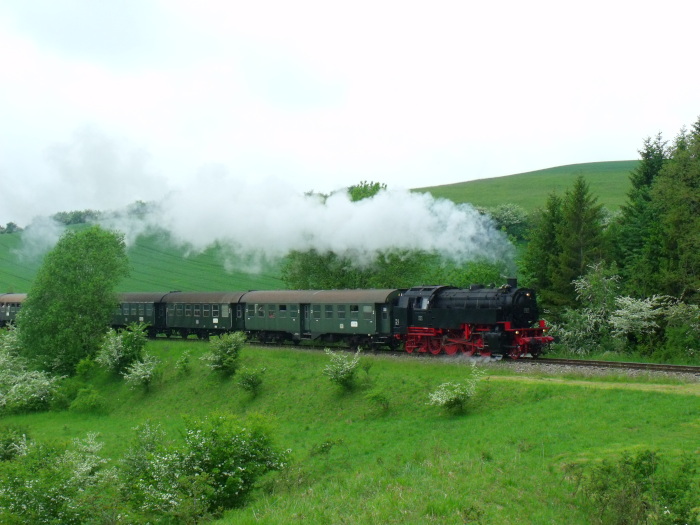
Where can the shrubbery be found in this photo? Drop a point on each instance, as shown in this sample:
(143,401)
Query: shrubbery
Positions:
(642,488)
(213,469)
(251,380)
(342,368)
(120,349)
(22,390)
(224,352)
(141,373)
(453,396)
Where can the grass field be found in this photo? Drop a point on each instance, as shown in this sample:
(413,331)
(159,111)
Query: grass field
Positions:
(155,266)
(609,181)
(353,461)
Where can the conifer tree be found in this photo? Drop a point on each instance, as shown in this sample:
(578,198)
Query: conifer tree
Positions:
(676,197)
(637,231)
(579,238)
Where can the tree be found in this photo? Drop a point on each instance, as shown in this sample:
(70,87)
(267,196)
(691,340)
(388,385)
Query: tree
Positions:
(676,198)
(636,233)
(579,238)
(71,301)
(365,190)
(543,250)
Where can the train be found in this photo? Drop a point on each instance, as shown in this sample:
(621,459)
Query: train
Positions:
(479,320)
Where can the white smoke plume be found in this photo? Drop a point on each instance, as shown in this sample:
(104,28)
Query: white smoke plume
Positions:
(270,219)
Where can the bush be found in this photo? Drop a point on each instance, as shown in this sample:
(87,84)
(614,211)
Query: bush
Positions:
(49,484)
(142,373)
(182,365)
(251,380)
(454,396)
(88,400)
(644,488)
(342,368)
(224,353)
(214,470)
(120,349)
(13,442)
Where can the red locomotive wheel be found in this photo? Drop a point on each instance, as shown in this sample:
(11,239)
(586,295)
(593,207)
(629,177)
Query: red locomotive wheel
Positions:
(434,346)
(451,349)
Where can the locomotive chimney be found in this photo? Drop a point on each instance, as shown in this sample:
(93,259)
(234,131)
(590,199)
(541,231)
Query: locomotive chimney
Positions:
(512,282)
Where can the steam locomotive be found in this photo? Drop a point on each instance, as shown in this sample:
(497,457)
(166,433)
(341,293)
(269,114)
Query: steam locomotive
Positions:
(480,320)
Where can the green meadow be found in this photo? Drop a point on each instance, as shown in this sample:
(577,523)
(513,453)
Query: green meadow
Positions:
(156,265)
(609,181)
(508,458)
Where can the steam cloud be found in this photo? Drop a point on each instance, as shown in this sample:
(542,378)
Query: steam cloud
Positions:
(251,219)
(270,219)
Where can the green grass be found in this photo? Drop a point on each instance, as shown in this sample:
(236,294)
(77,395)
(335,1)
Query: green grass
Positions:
(609,181)
(353,461)
(155,266)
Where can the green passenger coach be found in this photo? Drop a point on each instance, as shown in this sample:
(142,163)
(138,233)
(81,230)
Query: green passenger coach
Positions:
(203,313)
(354,316)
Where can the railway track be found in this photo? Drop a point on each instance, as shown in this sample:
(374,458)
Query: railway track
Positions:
(651,367)
(583,363)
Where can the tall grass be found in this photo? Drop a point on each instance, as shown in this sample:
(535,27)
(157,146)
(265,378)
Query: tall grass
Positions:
(354,460)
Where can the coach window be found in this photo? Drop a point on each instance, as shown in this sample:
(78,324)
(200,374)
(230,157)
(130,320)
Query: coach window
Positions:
(188,310)
(367,312)
(271,311)
(250,310)
(316,310)
(149,310)
(224,310)
(354,311)
(125,308)
(134,309)
(283,311)
(215,310)
(341,311)
(294,311)
(261,311)
(197,310)
(329,311)
(385,312)
(206,310)
(142,309)
(178,310)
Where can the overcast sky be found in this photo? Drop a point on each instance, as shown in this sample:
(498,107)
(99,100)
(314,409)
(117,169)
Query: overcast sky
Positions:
(106,102)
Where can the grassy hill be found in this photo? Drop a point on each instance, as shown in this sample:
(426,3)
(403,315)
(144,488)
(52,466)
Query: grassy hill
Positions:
(609,181)
(509,459)
(156,265)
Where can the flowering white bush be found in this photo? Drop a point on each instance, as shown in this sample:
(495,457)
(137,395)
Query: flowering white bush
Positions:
(453,396)
(21,389)
(141,373)
(214,470)
(342,368)
(638,316)
(224,352)
(50,485)
(120,349)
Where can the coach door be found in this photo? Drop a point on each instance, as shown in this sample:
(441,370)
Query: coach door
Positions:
(306,318)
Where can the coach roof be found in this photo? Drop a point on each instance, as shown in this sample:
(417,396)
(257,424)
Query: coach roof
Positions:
(321,296)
